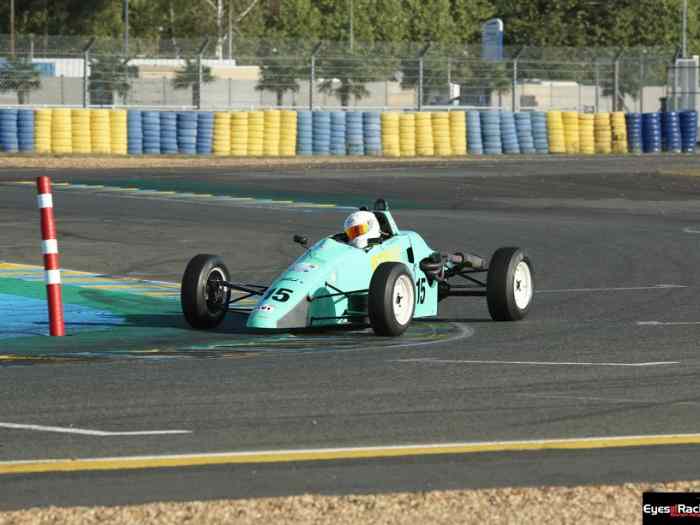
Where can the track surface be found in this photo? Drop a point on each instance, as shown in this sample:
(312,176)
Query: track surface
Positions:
(603,234)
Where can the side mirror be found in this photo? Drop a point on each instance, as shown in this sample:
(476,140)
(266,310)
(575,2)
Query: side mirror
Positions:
(303,241)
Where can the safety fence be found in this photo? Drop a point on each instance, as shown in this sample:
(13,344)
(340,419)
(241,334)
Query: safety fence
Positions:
(178,74)
(288,133)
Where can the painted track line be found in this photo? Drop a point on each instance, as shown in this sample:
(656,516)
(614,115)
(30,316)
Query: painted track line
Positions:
(87,432)
(331,454)
(431,361)
(621,289)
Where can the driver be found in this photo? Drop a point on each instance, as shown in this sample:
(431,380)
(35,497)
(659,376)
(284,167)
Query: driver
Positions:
(360,227)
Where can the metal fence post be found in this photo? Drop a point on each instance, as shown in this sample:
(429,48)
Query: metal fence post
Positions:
(86,65)
(200,72)
(616,80)
(420,84)
(642,74)
(312,75)
(514,84)
(420,75)
(449,79)
(597,85)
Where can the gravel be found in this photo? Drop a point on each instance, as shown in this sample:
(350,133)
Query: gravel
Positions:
(603,504)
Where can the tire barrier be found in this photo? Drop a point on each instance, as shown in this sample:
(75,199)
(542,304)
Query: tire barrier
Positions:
(523,128)
(8,130)
(42,130)
(458,132)
(221,139)
(555,131)
(407,134)
(187,132)
(689,130)
(168,133)
(670,132)
(61,131)
(338,130)
(509,135)
(151,132)
(118,131)
(618,126)
(441,134)
(100,132)
(586,133)
(539,132)
(391,142)
(271,137)
(288,133)
(134,128)
(239,134)
(491,132)
(81,137)
(651,133)
(634,132)
(372,131)
(205,132)
(256,133)
(474,140)
(25,130)
(424,135)
(602,133)
(321,121)
(354,134)
(305,137)
(571,133)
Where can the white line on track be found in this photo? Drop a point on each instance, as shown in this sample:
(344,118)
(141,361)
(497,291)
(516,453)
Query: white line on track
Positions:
(690,230)
(609,399)
(622,289)
(87,432)
(667,323)
(431,361)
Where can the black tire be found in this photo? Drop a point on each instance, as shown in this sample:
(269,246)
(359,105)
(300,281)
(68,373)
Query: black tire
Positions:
(501,285)
(383,317)
(203,302)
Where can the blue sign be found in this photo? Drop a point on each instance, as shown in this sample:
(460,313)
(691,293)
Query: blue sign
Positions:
(492,40)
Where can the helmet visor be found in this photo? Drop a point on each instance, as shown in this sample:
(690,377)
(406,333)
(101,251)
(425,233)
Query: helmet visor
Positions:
(355,231)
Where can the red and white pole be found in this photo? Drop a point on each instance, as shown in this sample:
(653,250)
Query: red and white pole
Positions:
(49,246)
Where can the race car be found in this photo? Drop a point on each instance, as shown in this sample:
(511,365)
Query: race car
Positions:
(370,274)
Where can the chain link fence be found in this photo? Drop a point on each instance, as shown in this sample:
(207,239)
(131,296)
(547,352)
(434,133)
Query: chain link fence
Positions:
(186,73)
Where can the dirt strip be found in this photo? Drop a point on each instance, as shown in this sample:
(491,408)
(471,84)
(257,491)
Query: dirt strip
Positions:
(604,504)
(165,161)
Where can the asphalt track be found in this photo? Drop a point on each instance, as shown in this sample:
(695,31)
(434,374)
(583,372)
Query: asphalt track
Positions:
(610,348)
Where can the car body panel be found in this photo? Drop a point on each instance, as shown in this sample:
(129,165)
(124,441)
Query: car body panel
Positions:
(315,290)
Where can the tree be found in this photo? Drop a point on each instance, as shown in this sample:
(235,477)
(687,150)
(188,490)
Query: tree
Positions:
(21,76)
(188,77)
(109,74)
(292,30)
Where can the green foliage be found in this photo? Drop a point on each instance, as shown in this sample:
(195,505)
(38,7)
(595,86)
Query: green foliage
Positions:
(188,77)
(109,74)
(19,75)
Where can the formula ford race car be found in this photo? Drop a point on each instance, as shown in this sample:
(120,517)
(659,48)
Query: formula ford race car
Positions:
(395,279)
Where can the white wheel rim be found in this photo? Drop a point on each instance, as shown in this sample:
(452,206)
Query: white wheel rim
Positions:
(402,299)
(522,285)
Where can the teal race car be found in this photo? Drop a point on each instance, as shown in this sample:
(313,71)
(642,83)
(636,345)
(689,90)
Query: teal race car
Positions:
(395,279)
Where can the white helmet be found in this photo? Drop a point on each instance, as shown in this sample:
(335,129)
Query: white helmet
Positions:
(361,226)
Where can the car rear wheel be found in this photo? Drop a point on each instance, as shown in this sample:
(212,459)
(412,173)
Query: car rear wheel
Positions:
(203,296)
(510,285)
(391,299)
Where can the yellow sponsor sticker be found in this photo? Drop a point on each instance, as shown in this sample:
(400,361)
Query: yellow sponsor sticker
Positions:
(389,255)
